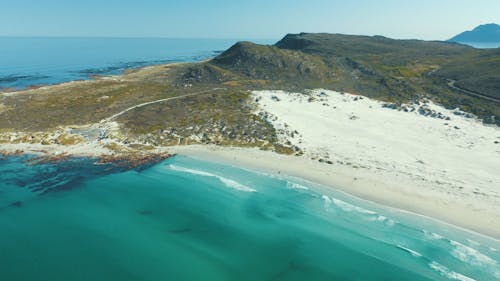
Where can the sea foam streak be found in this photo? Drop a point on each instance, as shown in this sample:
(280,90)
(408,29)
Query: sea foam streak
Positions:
(293,185)
(432,236)
(444,271)
(228,182)
(475,258)
(410,251)
(327,201)
(470,255)
(347,207)
(351,208)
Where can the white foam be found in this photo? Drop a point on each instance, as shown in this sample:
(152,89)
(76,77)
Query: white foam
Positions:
(236,185)
(351,208)
(346,207)
(380,218)
(410,251)
(390,222)
(444,271)
(359,132)
(470,255)
(328,201)
(432,236)
(293,185)
(228,182)
(474,243)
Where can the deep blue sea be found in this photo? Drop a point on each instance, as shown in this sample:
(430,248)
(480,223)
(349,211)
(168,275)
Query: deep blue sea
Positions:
(35,61)
(188,219)
(40,61)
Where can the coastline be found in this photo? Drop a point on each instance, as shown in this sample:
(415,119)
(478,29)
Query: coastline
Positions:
(362,184)
(436,170)
(382,191)
(126,73)
(390,188)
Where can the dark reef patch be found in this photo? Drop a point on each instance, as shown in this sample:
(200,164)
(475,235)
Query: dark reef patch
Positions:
(119,68)
(15,78)
(45,174)
(17,204)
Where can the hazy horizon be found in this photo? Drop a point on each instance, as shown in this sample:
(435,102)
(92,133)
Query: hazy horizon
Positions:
(212,38)
(224,19)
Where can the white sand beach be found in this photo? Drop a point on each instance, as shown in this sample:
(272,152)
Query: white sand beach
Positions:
(429,160)
(421,158)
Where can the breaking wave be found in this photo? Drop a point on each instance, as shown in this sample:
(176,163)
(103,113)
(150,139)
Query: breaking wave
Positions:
(432,236)
(444,271)
(470,255)
(228,182)
(351,208)
(327,202)
(410,251)
(293,185)
(347,207)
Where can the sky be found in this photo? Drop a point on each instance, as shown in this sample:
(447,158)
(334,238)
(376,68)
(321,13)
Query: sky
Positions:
(263,19)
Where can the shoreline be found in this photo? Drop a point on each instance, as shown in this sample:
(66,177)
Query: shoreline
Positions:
(352,182)
(93,78)
(444,167)
(339,179)
(410,174)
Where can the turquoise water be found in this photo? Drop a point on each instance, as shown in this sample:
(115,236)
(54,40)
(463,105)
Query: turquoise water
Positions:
(187,219)
(28,61)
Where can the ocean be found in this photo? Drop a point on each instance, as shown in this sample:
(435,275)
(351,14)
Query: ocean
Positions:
(483,45)
(35,61)
(190,219)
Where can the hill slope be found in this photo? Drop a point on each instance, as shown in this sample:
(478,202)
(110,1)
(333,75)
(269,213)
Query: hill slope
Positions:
(378,67)
(213,96)
(483,33)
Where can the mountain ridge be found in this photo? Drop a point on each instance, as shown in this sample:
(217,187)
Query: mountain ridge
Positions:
(485,33)
(374,66)
(393,71)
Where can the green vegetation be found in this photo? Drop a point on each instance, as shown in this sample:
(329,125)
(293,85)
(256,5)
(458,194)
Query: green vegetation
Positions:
(377,67)
(79,103)
(390,70)
(222,117)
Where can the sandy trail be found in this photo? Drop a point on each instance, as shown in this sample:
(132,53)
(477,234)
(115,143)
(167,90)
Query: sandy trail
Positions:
(157,101)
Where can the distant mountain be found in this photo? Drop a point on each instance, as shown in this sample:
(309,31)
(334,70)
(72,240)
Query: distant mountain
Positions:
(483,33)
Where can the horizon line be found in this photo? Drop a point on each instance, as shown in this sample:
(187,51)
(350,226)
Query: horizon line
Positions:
(134,37)
(203,38)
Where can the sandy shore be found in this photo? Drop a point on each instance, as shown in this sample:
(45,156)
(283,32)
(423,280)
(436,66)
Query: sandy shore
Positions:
(385,191)
(93,149)
(420,158)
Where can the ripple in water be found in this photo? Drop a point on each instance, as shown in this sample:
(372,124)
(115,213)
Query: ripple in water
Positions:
(186,219)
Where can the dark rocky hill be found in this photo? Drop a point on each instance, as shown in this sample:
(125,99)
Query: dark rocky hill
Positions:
(378,67)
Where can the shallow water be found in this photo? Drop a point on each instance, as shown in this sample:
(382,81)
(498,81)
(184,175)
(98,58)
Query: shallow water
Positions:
(28,61)
(186,219)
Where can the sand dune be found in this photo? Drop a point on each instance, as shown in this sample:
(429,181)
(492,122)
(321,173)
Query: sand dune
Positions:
(420,157)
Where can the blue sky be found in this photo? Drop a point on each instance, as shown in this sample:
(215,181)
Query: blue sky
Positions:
(422,19)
